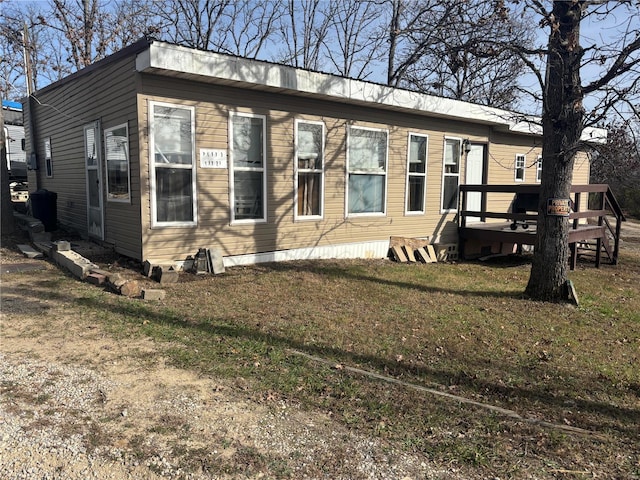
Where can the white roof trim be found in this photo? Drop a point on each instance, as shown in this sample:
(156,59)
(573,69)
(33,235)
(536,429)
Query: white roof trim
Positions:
(167,57)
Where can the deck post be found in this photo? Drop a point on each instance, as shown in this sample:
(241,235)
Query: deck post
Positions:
(576,208)
(462,218)
(573,255)
(616,245)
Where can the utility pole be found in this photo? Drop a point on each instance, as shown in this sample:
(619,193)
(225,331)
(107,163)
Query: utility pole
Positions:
(26,52)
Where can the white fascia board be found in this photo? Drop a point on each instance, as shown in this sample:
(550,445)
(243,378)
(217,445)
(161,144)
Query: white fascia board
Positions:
(594,135)
(174,58)
(162,56)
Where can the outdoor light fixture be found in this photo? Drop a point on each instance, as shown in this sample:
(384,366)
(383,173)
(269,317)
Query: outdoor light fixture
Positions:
(466,145)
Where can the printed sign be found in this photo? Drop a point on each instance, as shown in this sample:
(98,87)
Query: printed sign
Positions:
(213,158)
(559,207)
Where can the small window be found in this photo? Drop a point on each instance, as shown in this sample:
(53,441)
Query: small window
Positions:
(248,172)
(48,161)
(416,173)
(366,171)
(309,164)
(539,169)
(172,149)
(519,167)
(451,174)
(116,149)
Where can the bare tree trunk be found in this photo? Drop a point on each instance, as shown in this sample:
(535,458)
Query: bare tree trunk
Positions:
(562,123)
(394,30)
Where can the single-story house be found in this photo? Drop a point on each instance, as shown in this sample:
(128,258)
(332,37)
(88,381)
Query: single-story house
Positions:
(159,150)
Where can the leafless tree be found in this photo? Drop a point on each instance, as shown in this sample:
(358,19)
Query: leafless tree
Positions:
(12,65)
(617,163)
(612,66)
(303,29)
(66,35)
(251,26)
(87,27)
(354,42)
(194,23)
(438,47)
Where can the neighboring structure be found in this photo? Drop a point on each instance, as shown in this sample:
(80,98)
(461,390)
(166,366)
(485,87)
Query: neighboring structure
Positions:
(159,150)
(15,142)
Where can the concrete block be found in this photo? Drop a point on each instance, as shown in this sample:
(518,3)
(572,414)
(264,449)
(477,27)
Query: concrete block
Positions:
(100,271)
(29,252)
(153,294)
(75,263)
(96,279)
(216,262)
(45,247)
(26,222)
(166,274)
(147,268)
(62,246)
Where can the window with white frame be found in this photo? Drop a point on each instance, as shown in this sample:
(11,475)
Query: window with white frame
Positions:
(116,154)
(539,169)
(309,164)
(248,170)
(366,171)
(48,160)
(451,174)
(416,173)
(519,167)
(173,167)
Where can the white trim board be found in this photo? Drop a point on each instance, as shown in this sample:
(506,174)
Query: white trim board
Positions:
(174,60)
(371,249)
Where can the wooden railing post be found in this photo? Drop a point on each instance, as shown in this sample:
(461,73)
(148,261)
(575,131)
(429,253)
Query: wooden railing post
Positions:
(576,208)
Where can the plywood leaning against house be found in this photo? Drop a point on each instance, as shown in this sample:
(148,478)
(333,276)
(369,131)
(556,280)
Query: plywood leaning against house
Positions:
(412,250)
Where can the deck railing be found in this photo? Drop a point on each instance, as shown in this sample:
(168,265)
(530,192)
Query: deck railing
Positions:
(601,209)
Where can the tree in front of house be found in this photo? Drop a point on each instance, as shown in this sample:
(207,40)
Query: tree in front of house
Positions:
(440,47)
(614,84)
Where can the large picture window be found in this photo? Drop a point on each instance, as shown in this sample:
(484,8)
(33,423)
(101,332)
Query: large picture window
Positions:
(451,174)
(416,173)
(116,151)
(172,144)
(248,172)
(366,171)
(309,164)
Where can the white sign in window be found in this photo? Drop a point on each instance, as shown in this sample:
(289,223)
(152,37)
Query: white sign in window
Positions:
(213,158)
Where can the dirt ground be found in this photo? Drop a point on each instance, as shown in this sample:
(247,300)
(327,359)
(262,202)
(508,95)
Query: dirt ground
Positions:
(74,403)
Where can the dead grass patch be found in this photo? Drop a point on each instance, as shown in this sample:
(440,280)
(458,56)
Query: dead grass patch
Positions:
(462,328)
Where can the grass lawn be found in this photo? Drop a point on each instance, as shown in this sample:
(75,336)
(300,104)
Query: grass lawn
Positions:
(462,329)
(570,374)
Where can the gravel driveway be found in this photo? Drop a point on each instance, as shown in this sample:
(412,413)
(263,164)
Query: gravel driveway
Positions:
(76,404)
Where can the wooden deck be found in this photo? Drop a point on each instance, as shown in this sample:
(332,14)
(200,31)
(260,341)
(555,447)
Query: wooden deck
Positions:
(517,226)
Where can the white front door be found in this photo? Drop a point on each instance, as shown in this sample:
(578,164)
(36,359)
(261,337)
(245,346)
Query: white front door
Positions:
(475,176)
(92,150)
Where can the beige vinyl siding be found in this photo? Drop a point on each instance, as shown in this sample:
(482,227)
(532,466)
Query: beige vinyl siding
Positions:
(213,104)
(61,113)
(501,166)
(581,174)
